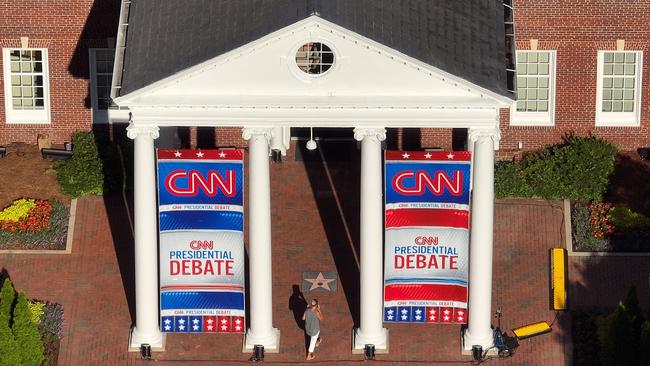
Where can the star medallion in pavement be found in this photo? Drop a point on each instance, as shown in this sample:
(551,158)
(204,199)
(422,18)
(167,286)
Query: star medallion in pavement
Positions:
(323,281)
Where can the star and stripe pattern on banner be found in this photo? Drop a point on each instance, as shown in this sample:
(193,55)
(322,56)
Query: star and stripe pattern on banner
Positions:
(203,324)
(170,154)
(209,324)
(425,314)
(428,155)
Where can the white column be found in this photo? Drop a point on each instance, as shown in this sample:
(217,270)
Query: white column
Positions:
(371,330)
(261,329)
(146,328)
(479,331)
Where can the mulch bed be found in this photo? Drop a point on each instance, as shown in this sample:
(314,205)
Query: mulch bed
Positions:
(52,346)
(28,175)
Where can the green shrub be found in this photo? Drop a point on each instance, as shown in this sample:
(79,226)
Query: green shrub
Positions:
(509,181)
(9,355)
(578,169)
(7,298)
(82,174)
(625,219)
(113,163)
(30,346)
(621,334)
(616,338)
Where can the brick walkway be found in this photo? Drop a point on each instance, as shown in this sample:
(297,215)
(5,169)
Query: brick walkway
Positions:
(310,223)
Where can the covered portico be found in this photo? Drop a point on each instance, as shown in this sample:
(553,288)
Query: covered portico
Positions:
(260,87)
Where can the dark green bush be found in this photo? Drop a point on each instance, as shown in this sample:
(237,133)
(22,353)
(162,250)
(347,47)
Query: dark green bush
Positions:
(621,337)
(30,346)
(577,169)
(82,174)
(621,334)
(509,181)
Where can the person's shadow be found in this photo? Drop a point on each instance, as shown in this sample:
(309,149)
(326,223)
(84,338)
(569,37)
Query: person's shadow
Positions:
(298,305)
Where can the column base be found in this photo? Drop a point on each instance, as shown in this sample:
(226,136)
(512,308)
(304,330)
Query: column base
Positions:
(468,340)
(380,341)
(271,342)
(156,341)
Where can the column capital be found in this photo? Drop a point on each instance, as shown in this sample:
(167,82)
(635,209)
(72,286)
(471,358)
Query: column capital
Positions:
(133,130)
(362,132)
(249,132)
(494,133)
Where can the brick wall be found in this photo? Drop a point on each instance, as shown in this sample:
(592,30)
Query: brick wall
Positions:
(67,29)
(577,30)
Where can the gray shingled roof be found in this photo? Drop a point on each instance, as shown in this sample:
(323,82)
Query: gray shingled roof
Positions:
(462,37)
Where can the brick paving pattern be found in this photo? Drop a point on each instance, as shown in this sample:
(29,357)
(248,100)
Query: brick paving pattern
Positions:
(311,221)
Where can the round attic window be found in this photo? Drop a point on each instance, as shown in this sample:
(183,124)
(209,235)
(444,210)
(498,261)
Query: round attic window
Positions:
(314,58)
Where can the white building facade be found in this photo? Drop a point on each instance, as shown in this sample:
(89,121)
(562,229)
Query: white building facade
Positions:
(313,73)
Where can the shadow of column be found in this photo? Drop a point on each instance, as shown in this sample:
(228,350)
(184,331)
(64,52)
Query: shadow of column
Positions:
(116,152)
(340,217)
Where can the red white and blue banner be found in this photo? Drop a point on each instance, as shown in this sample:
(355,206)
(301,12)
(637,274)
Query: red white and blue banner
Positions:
(427,236)
(201,207)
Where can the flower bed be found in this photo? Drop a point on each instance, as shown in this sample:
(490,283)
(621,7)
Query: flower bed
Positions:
(34,224)
(599,226)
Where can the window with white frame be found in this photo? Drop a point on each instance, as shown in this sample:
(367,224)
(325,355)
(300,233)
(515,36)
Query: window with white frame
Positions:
(101,74)
(26,85)
(619,88)
(535,104)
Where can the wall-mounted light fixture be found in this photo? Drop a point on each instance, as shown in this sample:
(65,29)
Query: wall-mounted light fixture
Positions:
(311,144)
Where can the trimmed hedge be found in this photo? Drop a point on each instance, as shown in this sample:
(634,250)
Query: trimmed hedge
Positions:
(30,346)
(20,339)
(82,174)
(577,169)
(8,346)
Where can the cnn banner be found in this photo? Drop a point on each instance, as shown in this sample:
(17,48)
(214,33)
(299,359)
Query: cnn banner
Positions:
(427,231)
(201,206)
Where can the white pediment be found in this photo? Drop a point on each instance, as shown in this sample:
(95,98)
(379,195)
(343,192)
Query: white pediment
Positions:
(264,75)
